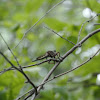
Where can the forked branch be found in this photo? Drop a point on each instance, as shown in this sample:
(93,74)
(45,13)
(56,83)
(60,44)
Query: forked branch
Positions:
(84,24)
(63,57)
(18,69)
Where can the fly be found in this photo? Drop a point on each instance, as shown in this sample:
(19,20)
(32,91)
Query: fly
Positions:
(51,54)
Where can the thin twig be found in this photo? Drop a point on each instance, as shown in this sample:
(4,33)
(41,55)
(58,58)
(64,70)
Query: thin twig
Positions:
(83,25)
(11,68)
(5,70)
(59,35)
(24,94)
(11,52)
(39,21)
(96,24)
(10,62)
(31,93)
(21,70)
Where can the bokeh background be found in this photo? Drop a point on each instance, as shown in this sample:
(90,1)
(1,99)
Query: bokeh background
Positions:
(17,16)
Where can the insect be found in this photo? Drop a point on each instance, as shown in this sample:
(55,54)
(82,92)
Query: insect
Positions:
(51,54)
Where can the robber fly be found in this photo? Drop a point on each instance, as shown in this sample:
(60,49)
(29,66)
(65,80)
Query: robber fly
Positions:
(51,54)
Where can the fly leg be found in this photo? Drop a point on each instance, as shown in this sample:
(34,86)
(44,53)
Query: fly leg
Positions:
(59,57)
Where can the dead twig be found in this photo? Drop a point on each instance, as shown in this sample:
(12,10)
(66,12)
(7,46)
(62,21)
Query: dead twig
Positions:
(59,35)
(20,70)
(83,25)
(39,21)
(23,67)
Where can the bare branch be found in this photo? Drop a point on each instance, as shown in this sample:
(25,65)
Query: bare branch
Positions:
(25,94)
(5,70)
(39,21)
(83,25)
(59,35)
(96,24)
(11,52)
(63,57)
(48,60)
(20,70)
(9,62)
(31,93)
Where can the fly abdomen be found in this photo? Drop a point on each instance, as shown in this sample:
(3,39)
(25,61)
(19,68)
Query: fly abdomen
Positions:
(42,57)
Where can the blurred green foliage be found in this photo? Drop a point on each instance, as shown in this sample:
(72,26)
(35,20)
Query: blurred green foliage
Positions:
(17,16)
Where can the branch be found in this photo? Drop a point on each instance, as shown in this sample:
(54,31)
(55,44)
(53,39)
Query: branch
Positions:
(11,68)
(97,24)
(20,70)
(39,21)
(25,94)
(59,35)
(63,57)
(10,62)
(83,25)
(59,75)
(11,51)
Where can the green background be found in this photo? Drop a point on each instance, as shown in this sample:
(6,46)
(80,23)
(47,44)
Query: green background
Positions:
(17,16)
